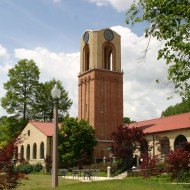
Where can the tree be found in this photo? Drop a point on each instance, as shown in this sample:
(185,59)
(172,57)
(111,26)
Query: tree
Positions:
(168,21)
(182,107)
(127,120)
(127,141)
(76,142)
(10,177)
(10,127)
(21,89)
(43,107)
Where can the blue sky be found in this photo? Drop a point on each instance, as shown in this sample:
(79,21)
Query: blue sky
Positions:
(57,25)
(49,31)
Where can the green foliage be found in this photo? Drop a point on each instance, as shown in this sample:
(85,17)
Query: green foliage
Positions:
(76,142)
(182,107)
(43,107)
(37,167)
(183,177)
(127,120)
(24,168)
(10,127)
(169,21)
(26,99)
(27,168)
(21,89)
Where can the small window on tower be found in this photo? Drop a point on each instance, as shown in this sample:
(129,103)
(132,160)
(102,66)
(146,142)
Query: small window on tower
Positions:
(28,132)
(86,107)
(102,85)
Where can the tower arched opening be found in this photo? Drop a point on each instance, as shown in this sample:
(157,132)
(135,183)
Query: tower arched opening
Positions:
(86,53)
(108,57)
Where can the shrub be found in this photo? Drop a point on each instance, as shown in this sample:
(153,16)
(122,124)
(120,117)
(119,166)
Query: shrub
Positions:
(148,166)
(27,168)
(48,163)
(178,163)
(9,177)
(37,167)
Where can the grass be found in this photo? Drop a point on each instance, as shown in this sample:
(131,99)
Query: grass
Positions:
(43,182)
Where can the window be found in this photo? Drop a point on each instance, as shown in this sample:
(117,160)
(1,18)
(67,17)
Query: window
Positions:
(179,141)
(28,152)
(165,145)
(144,147)
(22,152)
(34,151)
(28,132)
(16,153)
(41,150)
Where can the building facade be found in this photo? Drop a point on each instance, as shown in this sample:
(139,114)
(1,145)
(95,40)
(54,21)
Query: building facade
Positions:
(36,142)
(100,85)
(165,133)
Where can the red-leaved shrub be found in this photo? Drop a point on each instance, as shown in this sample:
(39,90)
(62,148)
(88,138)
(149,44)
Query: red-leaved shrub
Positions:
(9,177)
(148,166)
(178,161)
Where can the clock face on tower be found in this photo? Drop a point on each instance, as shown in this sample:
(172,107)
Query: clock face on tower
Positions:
(108,35)
(86,37)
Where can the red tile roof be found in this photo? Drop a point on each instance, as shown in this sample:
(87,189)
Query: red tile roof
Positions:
(174,122)
(44,127)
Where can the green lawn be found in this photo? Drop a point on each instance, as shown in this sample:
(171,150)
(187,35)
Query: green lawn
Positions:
(41,182)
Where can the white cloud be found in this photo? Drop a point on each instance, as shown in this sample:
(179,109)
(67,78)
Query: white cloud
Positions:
(61,66)
(119,5)
(4,67)
(143,98)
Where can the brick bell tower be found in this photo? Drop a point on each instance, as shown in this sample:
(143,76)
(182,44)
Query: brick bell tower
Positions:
(100,85)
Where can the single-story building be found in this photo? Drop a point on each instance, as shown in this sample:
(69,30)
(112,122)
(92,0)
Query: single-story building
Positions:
(36,141)
(171,131)
(165,133)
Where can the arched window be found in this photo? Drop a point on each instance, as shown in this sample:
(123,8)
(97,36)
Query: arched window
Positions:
(16,153)
(180,140)
(41,150)
(34,151)
(165,145)
(86,58)
(108,57)
(144,147)
(28,152)
(22,152)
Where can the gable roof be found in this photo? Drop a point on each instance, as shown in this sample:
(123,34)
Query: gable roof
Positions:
(45,127)
(170,123)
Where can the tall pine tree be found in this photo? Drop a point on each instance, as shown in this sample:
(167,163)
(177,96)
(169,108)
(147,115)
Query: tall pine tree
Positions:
(21,89)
